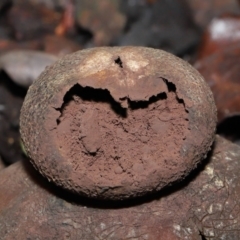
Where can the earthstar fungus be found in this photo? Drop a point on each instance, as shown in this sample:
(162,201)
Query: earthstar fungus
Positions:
(118,122)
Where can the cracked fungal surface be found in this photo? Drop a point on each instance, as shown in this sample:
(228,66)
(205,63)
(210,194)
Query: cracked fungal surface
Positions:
(116,123)
(115,146)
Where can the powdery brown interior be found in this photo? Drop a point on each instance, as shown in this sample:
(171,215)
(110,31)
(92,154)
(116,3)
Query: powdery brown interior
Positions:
(113,146)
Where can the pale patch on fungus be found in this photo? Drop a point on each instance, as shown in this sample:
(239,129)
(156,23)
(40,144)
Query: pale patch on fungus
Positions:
(93,64)
(177,227)
(210,209)
(135,65)
(219,183)
(210,171)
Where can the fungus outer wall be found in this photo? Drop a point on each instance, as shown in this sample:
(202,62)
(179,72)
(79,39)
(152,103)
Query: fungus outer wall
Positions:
(129,121)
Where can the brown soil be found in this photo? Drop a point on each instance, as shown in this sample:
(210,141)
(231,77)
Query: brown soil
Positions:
(116,147)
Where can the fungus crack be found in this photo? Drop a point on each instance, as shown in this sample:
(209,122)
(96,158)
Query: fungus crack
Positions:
(202,235)
(119,62)
(172,88)
(90,94)
(144,103)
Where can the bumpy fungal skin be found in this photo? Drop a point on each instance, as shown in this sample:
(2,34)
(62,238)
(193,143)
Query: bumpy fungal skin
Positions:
(115,123)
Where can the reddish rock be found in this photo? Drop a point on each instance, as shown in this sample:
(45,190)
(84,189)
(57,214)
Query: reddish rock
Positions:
(204,11)
(221,71)
(221,33)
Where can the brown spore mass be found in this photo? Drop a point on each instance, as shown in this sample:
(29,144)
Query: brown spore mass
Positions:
(116,147)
